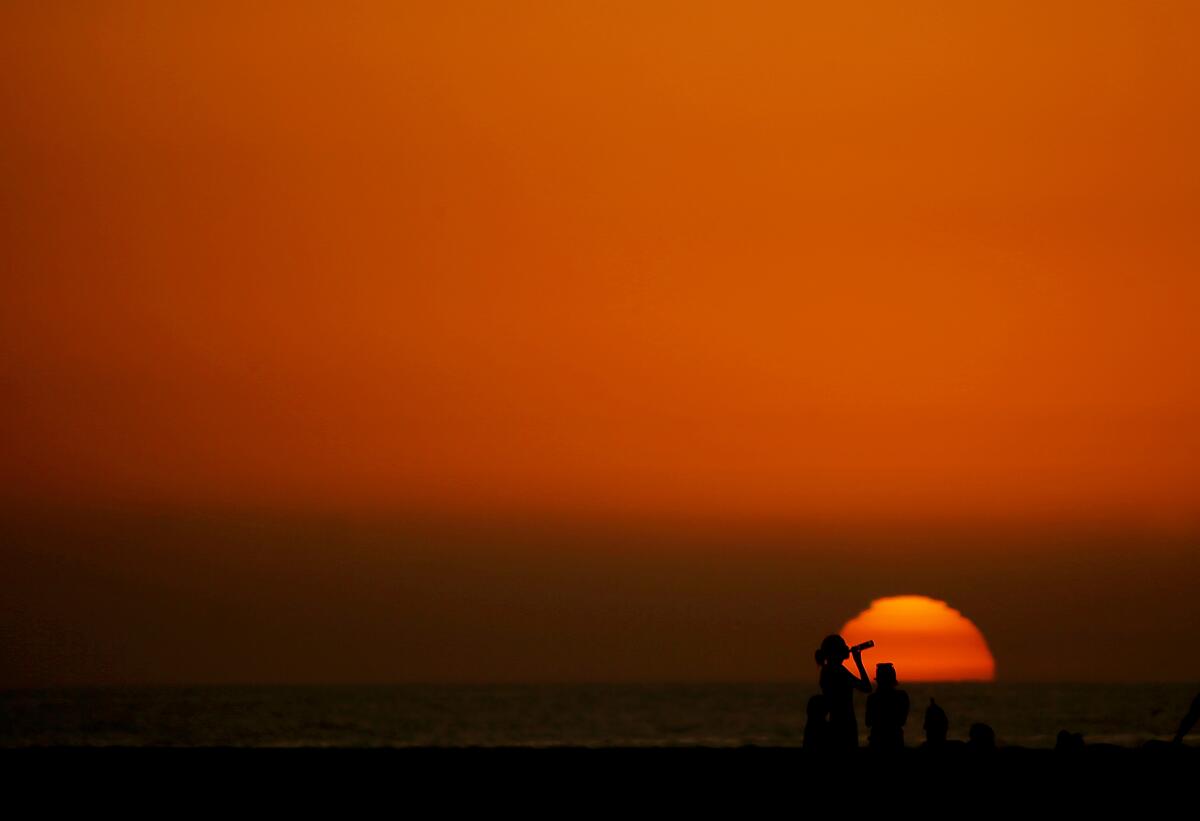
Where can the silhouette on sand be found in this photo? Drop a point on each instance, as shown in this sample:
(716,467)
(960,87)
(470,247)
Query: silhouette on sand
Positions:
(1188,721)
(936,726)
(981,738)
(832,727)
(816,729)
(887,710)
(837,686)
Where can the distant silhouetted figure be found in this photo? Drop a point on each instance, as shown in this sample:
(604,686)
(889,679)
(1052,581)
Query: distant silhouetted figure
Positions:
(816,729)
(1188,721)
(981,739)
(887,710)
(936,726)
(1068,742)
(838,685)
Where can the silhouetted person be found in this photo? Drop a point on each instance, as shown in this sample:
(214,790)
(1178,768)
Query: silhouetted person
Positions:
(838,685)
(981,739)
(1188,721)
(887,710)
(816,729)
(1068,742)
(936,726)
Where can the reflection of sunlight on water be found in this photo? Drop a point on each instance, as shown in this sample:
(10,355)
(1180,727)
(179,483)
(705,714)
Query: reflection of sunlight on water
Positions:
(582,715)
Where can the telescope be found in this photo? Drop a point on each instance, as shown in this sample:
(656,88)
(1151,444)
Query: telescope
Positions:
(858,648)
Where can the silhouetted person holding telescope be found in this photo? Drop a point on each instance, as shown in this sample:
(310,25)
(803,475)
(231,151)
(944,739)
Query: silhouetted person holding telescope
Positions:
(838,685)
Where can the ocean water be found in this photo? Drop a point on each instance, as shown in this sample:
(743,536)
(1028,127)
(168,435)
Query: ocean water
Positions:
(1027,715)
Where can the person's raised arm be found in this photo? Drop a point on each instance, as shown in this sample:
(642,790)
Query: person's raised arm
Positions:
(864,681)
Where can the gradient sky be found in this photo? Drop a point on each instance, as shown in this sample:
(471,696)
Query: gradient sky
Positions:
(776,288)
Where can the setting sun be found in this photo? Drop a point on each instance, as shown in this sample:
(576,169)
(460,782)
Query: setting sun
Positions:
(927,640)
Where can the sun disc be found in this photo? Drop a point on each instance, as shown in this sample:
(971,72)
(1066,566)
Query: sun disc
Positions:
(926,639)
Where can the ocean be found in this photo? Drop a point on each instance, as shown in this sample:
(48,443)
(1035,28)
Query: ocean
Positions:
(591,715)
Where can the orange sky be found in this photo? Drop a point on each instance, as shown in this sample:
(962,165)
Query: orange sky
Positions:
(920,275)
(756,260)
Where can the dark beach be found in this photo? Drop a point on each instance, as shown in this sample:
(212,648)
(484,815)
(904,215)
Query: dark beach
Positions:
(562,746)
(577,778)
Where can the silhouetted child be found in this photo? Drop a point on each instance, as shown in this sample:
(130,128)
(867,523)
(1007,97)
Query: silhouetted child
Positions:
(887,710)
(816,730)
(936,726)
(981,739)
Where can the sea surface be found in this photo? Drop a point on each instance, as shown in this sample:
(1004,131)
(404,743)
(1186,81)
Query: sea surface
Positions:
(594,715)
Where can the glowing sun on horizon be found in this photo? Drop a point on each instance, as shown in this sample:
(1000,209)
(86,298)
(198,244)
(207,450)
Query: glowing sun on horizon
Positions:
(926,639)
